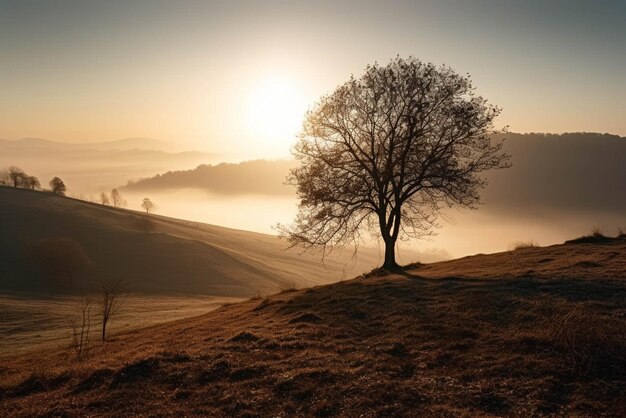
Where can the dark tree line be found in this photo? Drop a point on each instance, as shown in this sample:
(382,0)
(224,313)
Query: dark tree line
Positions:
(17,178)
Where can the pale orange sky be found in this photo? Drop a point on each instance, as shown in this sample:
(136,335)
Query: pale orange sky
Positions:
(235,77)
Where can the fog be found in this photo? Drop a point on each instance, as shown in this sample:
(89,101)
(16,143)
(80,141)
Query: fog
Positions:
(461,232)
(559,187)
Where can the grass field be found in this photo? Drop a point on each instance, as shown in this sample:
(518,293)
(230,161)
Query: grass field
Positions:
(28,323)
(537,331)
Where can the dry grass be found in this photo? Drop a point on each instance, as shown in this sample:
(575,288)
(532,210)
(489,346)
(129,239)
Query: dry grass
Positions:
(520,245)
(593,343)
(472,337)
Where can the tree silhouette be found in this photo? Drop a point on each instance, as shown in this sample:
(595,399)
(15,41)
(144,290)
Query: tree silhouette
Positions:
(147,204)
(104,198)
(58,187)
(17,176)
(386,152)
(117,200)
(110,292)
(31,182)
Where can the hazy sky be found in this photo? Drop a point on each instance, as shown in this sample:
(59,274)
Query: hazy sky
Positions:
(235,76)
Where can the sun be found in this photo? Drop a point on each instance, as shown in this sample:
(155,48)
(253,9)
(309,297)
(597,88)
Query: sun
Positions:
(274,111)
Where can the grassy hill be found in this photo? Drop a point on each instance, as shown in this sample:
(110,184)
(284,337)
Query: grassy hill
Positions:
(530,332)
(174,257)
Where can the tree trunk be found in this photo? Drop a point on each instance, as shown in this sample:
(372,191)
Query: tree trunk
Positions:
(390,255)
(104,330)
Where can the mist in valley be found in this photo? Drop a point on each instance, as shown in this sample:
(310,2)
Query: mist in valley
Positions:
(559,187)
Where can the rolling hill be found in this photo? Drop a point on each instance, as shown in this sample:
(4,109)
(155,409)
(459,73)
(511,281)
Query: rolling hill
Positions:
(531,332)
(174,257)
(249,177)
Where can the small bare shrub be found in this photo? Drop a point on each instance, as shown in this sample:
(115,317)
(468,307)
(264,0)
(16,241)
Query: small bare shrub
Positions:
(597,232)
(111,296)
(520,245)
(81,326)
(596,237)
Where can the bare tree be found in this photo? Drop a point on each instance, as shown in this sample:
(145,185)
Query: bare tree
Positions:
(81,326)
(386,152)
(17,176)
(104,199)
(58,187)
(60,258)
(147,204)
(111,298)
(117,200)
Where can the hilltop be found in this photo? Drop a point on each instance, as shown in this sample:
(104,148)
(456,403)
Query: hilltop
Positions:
(248,177)
(534,331)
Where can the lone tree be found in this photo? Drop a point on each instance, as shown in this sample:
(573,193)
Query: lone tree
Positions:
(147,204)
(117,200)
(386,152)
(111,292)
(57,186)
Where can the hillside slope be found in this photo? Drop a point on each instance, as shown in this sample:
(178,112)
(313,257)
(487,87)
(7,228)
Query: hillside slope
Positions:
(534,332)
(175,257)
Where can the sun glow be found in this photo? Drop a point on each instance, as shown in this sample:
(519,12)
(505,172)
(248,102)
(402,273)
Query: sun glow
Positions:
(274,112)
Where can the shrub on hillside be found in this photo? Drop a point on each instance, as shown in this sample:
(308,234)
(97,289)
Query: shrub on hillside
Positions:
(520,245)
(59,258)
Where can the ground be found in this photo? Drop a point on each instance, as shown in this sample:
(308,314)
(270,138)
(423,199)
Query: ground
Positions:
(530,332)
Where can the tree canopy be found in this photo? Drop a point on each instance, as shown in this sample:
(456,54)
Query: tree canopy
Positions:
(57,186)
(387,151)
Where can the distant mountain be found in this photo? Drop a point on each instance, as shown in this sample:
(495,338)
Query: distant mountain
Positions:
(117,145)
(93,167)
(133,143)
(249,177)
(573,171)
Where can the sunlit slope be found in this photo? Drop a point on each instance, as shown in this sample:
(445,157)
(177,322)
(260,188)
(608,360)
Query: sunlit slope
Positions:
(525,333)
(174,257)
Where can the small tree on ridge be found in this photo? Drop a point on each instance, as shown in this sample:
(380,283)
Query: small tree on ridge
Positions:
(147,204)
(57,186)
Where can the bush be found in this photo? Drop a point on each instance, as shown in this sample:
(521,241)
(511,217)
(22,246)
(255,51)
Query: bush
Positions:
(520,245)
(596,237)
